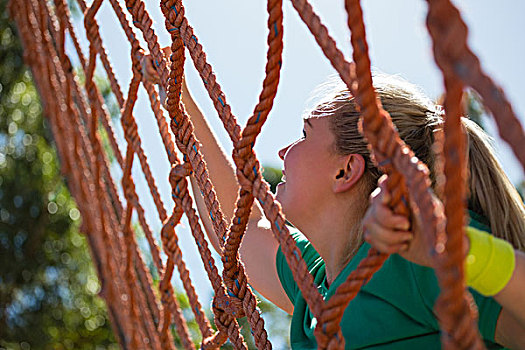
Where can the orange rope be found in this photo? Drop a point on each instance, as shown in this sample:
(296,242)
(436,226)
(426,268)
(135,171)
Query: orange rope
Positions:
(142,317)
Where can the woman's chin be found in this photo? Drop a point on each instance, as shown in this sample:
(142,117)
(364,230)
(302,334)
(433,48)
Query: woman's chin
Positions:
(279,190)
(281,198)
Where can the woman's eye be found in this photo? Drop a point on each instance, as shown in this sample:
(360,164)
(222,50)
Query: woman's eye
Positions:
(304,134)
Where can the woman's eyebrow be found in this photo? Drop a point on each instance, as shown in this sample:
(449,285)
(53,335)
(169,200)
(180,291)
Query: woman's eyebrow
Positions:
(307,121)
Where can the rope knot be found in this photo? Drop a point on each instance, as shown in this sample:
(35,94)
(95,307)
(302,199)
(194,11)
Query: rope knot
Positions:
(229,304)
(128,186)
(180,171)
(149,71)
(137,56)
(168,236)
(248,168)
(329,336)
(216,340)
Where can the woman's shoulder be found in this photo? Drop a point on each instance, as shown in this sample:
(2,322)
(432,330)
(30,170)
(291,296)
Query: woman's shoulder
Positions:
(313,260)
(308,252)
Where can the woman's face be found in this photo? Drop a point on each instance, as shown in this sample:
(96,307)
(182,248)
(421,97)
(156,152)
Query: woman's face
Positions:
(310,165)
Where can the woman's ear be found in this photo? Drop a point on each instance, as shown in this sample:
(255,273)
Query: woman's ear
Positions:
(352,168)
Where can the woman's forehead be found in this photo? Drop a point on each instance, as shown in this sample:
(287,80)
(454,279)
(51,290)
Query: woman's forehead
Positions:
(320,126)
(313,117)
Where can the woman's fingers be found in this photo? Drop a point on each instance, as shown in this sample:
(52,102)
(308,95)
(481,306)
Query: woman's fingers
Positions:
(381,193)
(390,243)
(386,231)
(379,233)
(148,70)
(386,218)
(381,213)
(150,73)
(391,233)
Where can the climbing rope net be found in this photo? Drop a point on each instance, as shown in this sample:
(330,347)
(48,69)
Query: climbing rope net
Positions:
(141,313)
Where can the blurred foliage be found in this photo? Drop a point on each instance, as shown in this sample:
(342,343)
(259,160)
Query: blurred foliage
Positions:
(74,8)
(273,176)
(111,105)
(48,287)
(521,190)
(474,107)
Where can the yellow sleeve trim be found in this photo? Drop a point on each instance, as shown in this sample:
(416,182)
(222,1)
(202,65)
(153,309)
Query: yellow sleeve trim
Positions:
(490,262)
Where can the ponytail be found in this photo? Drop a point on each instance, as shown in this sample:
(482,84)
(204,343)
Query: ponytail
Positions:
(492,195)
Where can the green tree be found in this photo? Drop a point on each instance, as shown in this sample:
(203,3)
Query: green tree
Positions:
(48,287)
(273,176)
(474,107)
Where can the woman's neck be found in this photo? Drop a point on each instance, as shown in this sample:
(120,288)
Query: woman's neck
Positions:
(338,257)
(336,237)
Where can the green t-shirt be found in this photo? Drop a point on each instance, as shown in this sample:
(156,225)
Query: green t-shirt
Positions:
(394,310)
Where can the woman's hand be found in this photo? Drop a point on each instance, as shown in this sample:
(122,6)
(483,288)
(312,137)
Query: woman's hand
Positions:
(150,73)
(391,233)
(259,246)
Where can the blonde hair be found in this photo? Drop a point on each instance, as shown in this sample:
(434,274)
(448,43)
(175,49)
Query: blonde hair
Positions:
(492,195)
(417,119)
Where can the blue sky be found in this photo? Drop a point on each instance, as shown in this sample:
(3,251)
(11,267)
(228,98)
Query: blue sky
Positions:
(233,33)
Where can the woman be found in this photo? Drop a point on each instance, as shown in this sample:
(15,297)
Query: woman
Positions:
(328,179)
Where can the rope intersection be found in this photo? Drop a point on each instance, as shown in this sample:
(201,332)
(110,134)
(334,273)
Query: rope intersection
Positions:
(142,313)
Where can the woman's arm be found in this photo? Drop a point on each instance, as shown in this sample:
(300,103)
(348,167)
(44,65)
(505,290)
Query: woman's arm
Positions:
(510,329)
(389,233)
(259,246)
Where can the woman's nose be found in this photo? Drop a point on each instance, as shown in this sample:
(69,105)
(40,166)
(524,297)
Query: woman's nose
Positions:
(283,151)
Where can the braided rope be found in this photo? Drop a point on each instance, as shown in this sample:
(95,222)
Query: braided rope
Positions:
(126,283)
(26,16)
(260,189)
